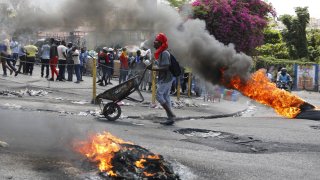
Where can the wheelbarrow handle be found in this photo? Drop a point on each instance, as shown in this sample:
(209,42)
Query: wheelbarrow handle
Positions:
(136,100)
(142,76)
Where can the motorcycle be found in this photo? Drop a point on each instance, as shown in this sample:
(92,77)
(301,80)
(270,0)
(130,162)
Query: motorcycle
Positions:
(284,85)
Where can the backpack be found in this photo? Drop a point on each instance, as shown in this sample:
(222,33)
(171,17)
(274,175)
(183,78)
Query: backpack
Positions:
(174,66)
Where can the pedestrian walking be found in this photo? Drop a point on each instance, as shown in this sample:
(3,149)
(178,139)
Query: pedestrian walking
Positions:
(9,58)
(3,57)
(165,77)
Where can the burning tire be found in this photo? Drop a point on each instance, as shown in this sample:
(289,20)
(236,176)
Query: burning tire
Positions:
(311,114)
(111,111)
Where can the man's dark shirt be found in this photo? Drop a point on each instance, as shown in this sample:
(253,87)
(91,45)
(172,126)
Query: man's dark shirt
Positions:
(53,51)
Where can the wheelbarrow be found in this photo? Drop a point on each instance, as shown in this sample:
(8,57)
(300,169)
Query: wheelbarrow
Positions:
(112,110)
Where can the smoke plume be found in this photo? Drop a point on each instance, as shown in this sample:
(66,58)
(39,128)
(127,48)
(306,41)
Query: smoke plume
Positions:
(189,40)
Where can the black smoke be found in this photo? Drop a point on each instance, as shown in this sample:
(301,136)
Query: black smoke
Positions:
(189,40)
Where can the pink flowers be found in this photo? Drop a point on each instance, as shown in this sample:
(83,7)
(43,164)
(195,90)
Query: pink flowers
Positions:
(240,22)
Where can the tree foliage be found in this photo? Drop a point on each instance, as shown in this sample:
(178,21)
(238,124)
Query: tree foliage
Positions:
(273,44)
(240,22)
(295,32)
(313,39)
(177,3)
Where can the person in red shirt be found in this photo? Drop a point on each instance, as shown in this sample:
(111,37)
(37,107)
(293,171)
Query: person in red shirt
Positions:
(124,66)
(53,58)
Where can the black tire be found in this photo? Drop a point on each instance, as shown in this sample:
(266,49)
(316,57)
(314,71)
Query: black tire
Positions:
(111,111)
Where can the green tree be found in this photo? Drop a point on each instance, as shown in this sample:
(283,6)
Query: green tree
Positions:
(272,36)
(177,3)
(295,32)
(313,38)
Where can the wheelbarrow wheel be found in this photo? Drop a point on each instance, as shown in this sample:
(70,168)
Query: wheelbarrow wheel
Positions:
(111,111)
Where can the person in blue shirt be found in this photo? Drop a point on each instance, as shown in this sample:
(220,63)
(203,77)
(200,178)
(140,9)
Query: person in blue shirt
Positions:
(45,58)
(283,76)
(22,60)
(83,60)
(14,45)
(3,56)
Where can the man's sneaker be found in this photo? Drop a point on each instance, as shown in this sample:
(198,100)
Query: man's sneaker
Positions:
(51,79)
(77,82)
(168,122)
(16,73)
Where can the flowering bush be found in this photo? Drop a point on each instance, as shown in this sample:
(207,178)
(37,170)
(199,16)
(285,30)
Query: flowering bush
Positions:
(240,22)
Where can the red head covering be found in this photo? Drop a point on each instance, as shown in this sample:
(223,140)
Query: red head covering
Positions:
(161,37)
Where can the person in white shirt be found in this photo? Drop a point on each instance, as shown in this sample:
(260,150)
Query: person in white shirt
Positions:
(62,50)
(76,60)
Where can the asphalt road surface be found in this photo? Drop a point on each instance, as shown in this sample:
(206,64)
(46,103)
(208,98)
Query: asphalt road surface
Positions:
(235,148)
(256,145)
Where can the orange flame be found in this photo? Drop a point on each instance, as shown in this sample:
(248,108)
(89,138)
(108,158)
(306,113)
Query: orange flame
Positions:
(139,163)
(148,174)
(259,88)
(101,148)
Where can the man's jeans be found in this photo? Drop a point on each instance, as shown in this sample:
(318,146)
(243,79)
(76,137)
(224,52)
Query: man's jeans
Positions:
(15,57)
(123,75)
(45,64)
(30,64)
(77,70)
(163,92)
(62,69)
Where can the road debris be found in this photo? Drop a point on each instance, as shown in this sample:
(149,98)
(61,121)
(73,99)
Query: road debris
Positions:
(25,92)
(4,144)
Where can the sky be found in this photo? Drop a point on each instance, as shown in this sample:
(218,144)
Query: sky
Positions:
(281,6)
(287,6)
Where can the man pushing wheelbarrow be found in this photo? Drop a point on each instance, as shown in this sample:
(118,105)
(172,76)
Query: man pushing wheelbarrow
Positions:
(112,110)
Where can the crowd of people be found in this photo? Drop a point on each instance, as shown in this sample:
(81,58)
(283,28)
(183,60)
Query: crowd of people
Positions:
(52,53)
(71,60)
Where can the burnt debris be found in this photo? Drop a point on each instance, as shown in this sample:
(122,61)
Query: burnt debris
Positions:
(151,166)
(311,114)
(308,111)
(21,93)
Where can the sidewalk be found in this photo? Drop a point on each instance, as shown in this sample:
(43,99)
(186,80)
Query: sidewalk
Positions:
(76,98)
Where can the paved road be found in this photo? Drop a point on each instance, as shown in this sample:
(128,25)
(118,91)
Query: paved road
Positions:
(258,145)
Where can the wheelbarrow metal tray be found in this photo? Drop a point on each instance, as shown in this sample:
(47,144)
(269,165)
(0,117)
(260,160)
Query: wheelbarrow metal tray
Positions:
(121,91)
